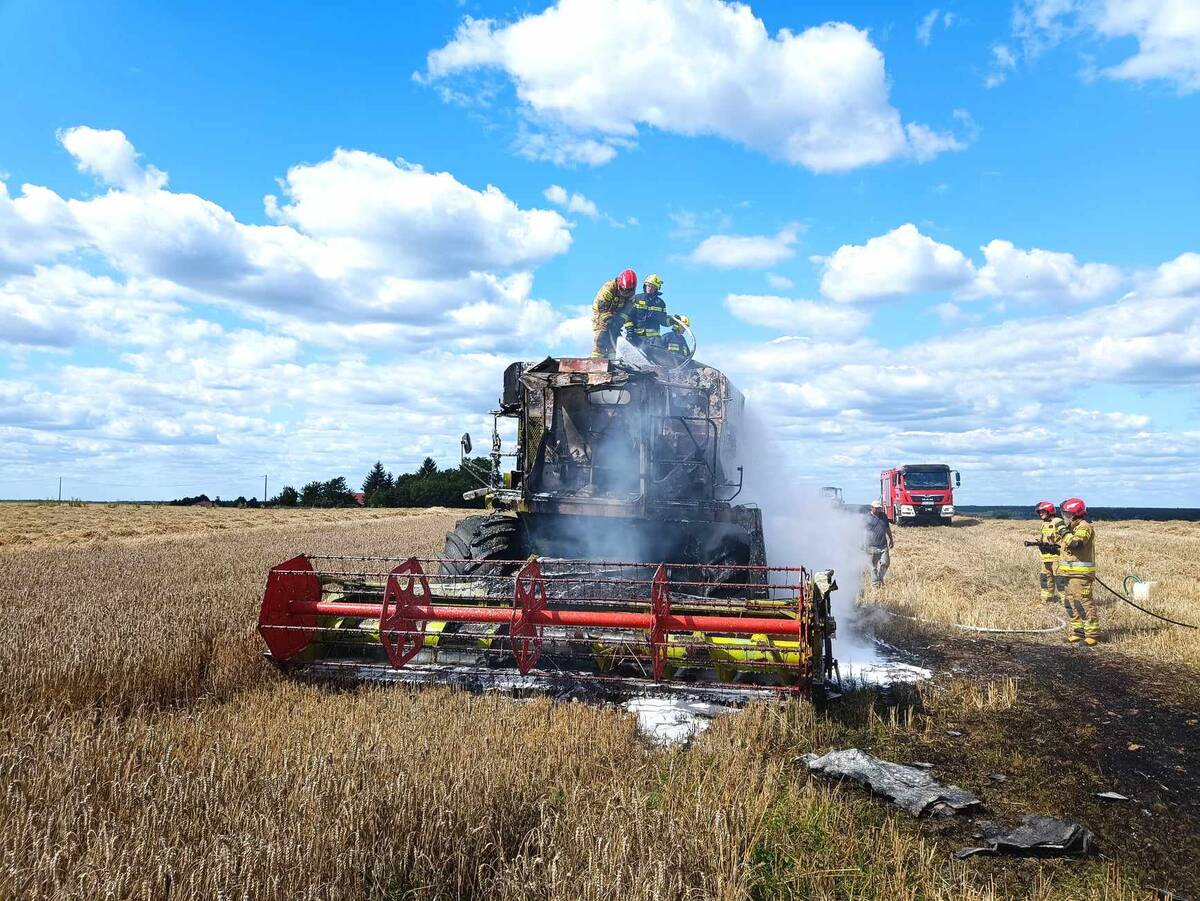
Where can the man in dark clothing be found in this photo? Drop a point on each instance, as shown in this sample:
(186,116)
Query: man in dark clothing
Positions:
(674,340)
(647,313)
(879,541)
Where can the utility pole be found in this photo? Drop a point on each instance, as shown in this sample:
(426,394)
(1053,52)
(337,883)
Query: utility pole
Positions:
(60,489)
(264,491)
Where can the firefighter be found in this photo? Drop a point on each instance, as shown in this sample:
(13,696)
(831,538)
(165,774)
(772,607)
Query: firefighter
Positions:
(1051,532)
(608,309)
(1077,565)
(879,541)
(647,313)
(674,340)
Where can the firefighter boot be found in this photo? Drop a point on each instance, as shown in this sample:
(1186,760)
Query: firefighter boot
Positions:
(1091,633)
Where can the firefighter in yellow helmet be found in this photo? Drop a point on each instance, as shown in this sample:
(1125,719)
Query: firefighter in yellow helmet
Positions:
(1077,564)
(674,340)
(608,311)
(1048,548)
(647,313)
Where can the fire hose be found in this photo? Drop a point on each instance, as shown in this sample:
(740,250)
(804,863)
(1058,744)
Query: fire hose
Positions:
(1131,603)
(1062,624)
(1046,546)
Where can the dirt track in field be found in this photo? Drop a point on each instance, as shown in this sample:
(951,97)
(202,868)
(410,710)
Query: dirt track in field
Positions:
(1082,723)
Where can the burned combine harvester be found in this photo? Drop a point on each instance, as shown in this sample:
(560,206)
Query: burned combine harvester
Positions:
(612,556)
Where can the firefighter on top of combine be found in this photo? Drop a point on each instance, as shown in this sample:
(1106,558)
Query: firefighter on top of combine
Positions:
(647,313)
(1077,564)
(674,340)
(1048,549)
(879,540)
(608,310)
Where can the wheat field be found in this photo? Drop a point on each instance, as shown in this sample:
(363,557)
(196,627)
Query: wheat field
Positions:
(47,524)
(147,751)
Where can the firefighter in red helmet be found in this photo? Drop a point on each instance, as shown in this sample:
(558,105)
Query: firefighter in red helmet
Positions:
(611,301)
(1077,564)
(1048,548)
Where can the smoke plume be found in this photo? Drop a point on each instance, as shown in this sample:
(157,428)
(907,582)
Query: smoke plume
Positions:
(802,529)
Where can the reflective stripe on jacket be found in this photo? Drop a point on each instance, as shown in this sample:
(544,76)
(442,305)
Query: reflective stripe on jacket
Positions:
(1078,543)
(647,314)
(1052,530)
(673,341)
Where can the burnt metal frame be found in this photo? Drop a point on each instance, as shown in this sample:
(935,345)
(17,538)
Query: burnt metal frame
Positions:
(295,599)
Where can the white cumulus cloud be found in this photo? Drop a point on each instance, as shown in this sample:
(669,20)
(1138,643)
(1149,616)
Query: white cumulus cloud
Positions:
(901,262)
(904,261)
(35,225)
(1178,276)
(385,213)
(571,202)
(797,317)
(745,251)
(1042,275)
(109,156)
(602,69)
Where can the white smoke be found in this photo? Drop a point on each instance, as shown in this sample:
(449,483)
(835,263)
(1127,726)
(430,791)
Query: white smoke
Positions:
(803,529)
(627,353)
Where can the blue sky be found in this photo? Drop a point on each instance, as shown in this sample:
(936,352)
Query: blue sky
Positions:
(964,233)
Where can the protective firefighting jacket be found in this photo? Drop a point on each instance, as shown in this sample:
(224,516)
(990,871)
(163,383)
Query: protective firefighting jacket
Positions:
(1078,543)
(1052,530)
(673,341)
(608,299)
(647,314)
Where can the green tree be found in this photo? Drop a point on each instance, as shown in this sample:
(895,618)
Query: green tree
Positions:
(310,494)
(288,497)
(377,480)
(335,493)
(428,468)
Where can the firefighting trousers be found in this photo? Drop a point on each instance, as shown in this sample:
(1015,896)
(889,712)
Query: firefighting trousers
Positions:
(1080,606)
(1051,583)
(604,339)
(880,561)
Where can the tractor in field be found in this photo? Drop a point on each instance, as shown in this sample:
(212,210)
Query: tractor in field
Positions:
(611,553)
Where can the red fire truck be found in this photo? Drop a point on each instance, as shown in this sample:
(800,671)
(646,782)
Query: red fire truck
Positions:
(919,493)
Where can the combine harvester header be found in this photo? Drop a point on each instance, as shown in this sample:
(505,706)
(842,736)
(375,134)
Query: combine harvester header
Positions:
(624,627)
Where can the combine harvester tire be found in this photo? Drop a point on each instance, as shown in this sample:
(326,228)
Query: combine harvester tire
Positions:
(477,541)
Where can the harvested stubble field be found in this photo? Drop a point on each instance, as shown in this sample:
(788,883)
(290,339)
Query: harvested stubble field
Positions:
(979,573)
(146,751)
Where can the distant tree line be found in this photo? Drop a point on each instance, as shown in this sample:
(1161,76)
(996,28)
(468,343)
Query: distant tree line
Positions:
(427,487)
(334,493)
(203,500)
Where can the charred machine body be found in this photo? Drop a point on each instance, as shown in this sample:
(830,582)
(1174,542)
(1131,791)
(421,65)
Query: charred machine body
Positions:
(611,552)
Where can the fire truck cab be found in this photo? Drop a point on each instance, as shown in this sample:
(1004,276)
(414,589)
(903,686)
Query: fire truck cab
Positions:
(919,493)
